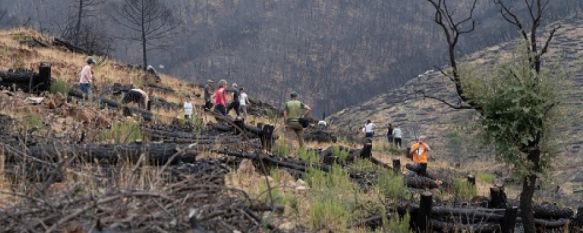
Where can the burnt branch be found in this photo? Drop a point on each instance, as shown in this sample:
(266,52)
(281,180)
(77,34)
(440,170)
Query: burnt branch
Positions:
(458,106)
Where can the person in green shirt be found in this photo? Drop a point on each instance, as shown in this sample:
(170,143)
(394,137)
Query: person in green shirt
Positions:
(293,111)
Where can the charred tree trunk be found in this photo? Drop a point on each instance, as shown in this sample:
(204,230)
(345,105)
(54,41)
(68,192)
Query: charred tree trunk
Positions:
(27,80)
(528,188)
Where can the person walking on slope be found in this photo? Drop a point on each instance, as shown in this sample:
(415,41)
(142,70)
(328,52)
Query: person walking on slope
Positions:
(390,134)
(208,104)
(397,136)
(293,111)
(368,129)
(86,78)
(418,153)
(243,100)
(188,110)
(235,101)
(139,97)
(220,98)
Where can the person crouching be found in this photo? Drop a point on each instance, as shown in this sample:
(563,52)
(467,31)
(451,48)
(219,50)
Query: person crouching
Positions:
(138,96)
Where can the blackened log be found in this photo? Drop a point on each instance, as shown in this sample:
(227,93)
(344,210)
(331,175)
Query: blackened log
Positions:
(420,182)
(422,220)
(396,166)
(155,154)
(452,227)
(551,212)
(68,46)
(509,222)
(468,213)
(498,197)
(27,80)
(471,179)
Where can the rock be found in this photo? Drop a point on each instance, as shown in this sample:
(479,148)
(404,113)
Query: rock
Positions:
(246,167)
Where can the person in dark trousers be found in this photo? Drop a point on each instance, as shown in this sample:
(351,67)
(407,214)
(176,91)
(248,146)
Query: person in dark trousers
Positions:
(418,153)
(220,98)
(235,104)
(390,133)
(208,93)
(397,136)
(137,96)
(368,129)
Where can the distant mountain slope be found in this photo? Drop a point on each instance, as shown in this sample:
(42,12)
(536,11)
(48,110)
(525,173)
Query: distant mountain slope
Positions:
(447,129)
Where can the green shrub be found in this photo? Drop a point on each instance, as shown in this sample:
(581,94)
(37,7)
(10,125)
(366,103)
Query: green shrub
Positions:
(340,153)
(309,156)
(463,189)
(392,185)
(485,177)
(122,132)
(59,86)
(396,225)
(363,165)
(33,120)
(332,198)
(281,148)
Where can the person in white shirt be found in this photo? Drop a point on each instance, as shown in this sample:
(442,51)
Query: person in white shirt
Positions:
(397,135)
(243,101)
(368,129)
(86,78)
(322,124)
(187,108)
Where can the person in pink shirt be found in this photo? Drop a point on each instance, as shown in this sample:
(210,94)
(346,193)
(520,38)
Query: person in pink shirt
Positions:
(86,78)
(220,98)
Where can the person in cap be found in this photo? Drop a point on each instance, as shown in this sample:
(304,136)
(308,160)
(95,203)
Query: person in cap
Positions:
(188,109)
(86,77)
(293,111)
(208,104)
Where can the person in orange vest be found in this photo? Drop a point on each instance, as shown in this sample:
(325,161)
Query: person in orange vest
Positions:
(418,153)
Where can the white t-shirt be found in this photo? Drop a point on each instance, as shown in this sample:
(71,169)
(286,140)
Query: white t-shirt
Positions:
(397,133)
(368,128)
(243,99)
(188,108)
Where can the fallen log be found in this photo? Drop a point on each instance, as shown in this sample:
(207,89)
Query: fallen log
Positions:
(454,227)
(107,103)
(420,182)
(155,154)
(551,212)
(467,214)
(70,47)
(27,80)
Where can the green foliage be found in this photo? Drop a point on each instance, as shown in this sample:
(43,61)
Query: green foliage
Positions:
(309,156)
(33,121)
(485,177)
(281,148)
(463,189)
(397,225)
(195,121)
(392,185)
(340,153)
(332,198)
(122,132)
(363,165)
(59,86)
(517,104)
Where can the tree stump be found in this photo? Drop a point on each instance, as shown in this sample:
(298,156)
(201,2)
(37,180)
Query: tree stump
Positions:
(472,179)
(423,217)
(396,166)
(498,197)
(509,222)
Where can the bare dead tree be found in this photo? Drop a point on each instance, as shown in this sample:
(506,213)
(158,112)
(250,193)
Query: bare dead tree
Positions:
(452,30)
(149,22)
